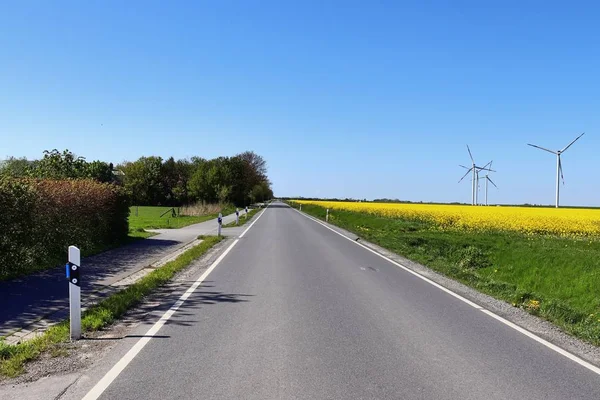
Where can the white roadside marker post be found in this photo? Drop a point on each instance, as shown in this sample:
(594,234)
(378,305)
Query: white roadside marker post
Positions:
(73,267)
(246,215)
(300,207)
(237,216)
(220,222)
(327,216)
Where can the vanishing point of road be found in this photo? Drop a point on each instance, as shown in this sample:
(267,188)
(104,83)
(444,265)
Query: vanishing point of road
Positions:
(296,311)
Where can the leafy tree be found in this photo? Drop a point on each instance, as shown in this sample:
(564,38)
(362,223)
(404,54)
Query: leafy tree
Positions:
(57,165)
(180,191)
(143,178)
(261,192)
(154,181)
(16,167)
(257,164)
(100,171)
(223,193)
(199,186)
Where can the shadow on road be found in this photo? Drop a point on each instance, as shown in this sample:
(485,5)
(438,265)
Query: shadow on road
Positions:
(24,300)
(195,301)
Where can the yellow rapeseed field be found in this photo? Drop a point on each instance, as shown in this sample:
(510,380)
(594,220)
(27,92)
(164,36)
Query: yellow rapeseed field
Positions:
(529,220)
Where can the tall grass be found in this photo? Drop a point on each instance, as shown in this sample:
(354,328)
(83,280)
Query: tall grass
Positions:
(202,208)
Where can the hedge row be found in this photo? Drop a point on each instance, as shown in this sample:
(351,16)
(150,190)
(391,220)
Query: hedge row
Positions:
(39,219)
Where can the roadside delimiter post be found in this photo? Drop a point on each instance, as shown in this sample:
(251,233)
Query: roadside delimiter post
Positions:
(220,222)
(73,275)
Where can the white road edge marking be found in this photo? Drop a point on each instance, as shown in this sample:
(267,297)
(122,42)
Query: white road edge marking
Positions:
(116,370)
(514,326)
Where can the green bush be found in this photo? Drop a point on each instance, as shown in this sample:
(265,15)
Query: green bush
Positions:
(17,222)
(39,219)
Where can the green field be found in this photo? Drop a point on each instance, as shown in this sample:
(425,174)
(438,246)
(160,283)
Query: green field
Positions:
(147,217)
(555,278)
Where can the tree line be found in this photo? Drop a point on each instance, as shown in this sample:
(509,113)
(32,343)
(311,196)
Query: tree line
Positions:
(241,179)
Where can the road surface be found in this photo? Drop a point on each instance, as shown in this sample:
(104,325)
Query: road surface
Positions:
(295,311)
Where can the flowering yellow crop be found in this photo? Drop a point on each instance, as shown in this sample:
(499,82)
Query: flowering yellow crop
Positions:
(530,220)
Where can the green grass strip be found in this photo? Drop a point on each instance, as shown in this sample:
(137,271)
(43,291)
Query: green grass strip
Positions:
(13,358)
(243,219)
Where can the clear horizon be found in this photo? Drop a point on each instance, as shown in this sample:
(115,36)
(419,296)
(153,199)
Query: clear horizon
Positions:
(343,99)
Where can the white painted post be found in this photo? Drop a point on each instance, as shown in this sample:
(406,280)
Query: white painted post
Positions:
(327,216)
(557,179)
(246,215)
(486,189)
(73,271)
(237,216)
(220,222)
(300,207)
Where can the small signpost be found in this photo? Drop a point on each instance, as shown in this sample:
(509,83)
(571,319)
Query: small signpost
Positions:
(220,222)
(237,216)
(73,275)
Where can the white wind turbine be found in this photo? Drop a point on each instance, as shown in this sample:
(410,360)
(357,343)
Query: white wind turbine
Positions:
(475,170)
(559,173)
(487,179)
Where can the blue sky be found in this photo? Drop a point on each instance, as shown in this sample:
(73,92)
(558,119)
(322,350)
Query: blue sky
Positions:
(345,99)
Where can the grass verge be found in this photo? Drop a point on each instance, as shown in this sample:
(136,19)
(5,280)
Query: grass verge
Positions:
(147,217)
(139,234)
(13,358)
(552,277)
(243,219)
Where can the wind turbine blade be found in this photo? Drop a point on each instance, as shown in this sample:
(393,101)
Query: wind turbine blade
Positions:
(569,145)
(491,181)
(470,155)
(467,173)
(464,167)
(486,165)
(533,145)
(560,169)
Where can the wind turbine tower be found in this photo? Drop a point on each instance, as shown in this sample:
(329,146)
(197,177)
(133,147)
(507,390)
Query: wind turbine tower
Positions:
(475,170)
(559,173)
(487,179)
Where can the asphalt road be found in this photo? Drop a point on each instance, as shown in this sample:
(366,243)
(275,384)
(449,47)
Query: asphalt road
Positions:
(294,311)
